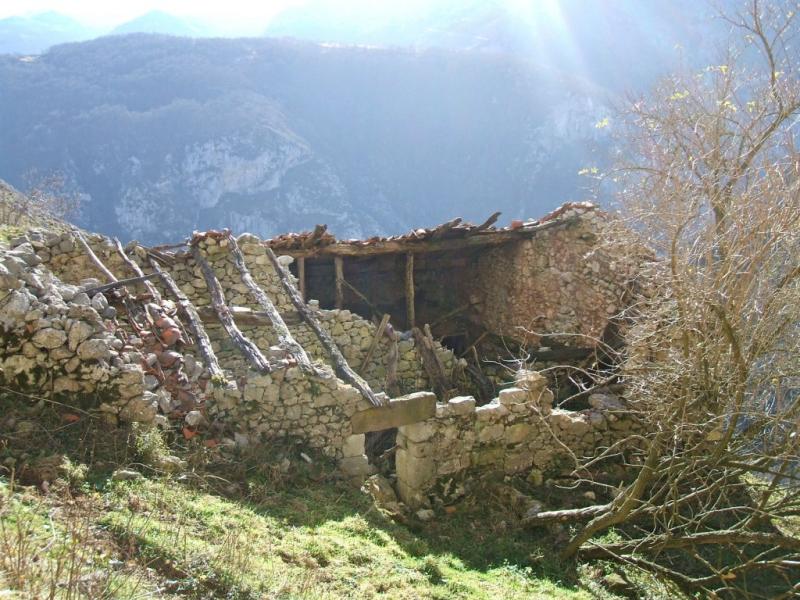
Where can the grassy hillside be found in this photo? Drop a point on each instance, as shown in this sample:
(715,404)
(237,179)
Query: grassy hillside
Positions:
(162,538)
(91,512)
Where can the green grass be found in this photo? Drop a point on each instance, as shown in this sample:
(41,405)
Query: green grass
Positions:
(320,541)
(312,540)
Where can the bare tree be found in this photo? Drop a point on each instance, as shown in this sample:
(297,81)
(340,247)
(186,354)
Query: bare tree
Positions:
(710,179)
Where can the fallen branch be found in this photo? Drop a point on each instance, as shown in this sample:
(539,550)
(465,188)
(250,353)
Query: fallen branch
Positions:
(430,361)
(567,515)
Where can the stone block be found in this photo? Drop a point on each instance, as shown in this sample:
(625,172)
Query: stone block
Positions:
(399,411)
(491,433)
(412,497)
(461,405)
(493,411)
(353,445)
(518,461)
(490,455)
(454,465)
(513,395)
(518,433)
(413,471)
(532,381)
(356,466)
(419,432)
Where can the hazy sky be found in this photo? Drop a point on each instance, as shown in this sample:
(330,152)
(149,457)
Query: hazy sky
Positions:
(104,13)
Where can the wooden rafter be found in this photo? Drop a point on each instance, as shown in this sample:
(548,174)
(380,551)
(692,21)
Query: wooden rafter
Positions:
(285,338)
(342,368)
(242,342)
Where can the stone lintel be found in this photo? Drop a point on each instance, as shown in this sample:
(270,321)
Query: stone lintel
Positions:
(404,410)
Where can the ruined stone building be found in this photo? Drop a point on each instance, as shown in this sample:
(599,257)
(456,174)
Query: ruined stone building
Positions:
(434,337)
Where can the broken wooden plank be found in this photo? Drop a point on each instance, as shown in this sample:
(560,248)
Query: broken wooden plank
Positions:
(242,342)
(442,229)
(119,283)
(338,265)
(430,361)
(358,293)
(406,244)
(343,370)
(200,336)
(405,410)
(373,346)
(410,316)
(316,235)
(487,223)
(449,315)
(285,338)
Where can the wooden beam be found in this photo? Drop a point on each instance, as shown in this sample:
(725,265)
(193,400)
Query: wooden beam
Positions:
(201,337)
(487,223)
(301,277)
(134,266)
(338,265)
(343,370)
(245,346)
(285,338)
(119,283)
(410,316)
(247,316)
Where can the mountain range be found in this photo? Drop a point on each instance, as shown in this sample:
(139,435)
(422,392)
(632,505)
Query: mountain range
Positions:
(458,114)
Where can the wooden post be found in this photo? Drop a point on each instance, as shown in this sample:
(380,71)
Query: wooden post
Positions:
(338,264)
(301,277)
(410,316)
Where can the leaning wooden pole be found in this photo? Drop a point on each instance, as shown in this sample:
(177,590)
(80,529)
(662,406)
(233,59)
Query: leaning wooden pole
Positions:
(245,345)
(133,266)
(114,282)
(285,338)
(343,370)
(201,337)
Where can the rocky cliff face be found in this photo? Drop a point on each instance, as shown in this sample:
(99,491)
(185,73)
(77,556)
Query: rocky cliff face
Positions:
(165,135)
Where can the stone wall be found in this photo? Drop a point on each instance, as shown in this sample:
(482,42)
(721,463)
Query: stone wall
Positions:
(567,279)
(59,343)
(252,406)
(516,432)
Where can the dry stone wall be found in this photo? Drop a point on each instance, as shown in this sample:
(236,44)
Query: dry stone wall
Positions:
(517,432)
(59,342)
(567,279)
(257,406)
